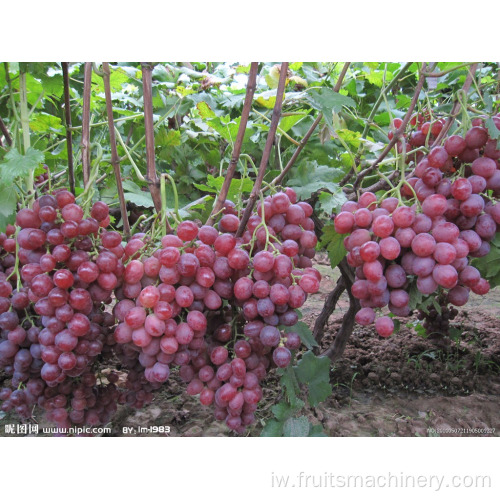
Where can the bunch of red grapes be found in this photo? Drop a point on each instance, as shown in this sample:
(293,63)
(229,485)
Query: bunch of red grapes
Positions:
(202,303)
(54,285)
(210,304)
(429,243)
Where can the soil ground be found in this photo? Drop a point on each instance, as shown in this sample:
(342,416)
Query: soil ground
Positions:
(401,386)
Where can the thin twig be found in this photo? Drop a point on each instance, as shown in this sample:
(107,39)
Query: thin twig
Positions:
(151,175)
(456,106)
(67,114)
(442,73)
(5,132)
(85,141)
(397,133)
(247,105)
(306,137)
(369,122)
(267,149)
(115,160)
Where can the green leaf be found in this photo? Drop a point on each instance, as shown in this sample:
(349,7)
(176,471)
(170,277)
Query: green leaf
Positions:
(331,203)
(334,244)
(205,110)
(415,297)
(214,185)
(309,177)
(131,186)
(304,332)
(266,99)
(8,205)
(44,123)
(289,381)
(350,137)
(273,428)
(492,129)
(327,101)
(228,128)
(296,427)
(142,199)
(282,410)
(287,122)
(377,77)
(489,265)
(168,139)
(315,372)
(317,431)
(273,77)
(19,165)
(117,78)
(397,325)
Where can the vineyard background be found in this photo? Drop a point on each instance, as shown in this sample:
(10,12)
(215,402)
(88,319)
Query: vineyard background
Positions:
(334,122)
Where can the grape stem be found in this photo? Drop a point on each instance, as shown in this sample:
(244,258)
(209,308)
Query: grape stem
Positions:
(5,132)
(443,73)
(25,124)
(129,156)
(370,122)
(267,149)
(67,116)
(165,224)
(151,176)
(115,160)
(281,131)
(15,271)
(457,106)
(305,139)
(397,134)
(85,139)
(247,105)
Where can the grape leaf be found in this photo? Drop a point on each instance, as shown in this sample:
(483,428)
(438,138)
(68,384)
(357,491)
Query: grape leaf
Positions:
(315,372)
(273,428)
(334,244)
(309,177)
(214,185)
(317,431)
(489,265)
(283,410)
(141,199)
(331,203)
(287,122)
(19,165)
(8,206)
(167,139)
(492,129)
(328,101)
(305,334)
(415,297)
(296,427)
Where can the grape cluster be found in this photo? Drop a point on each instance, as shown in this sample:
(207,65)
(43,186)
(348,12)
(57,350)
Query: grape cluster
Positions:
(427,245)
(209,304)
(55,281)
(202,303)
(41,180)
